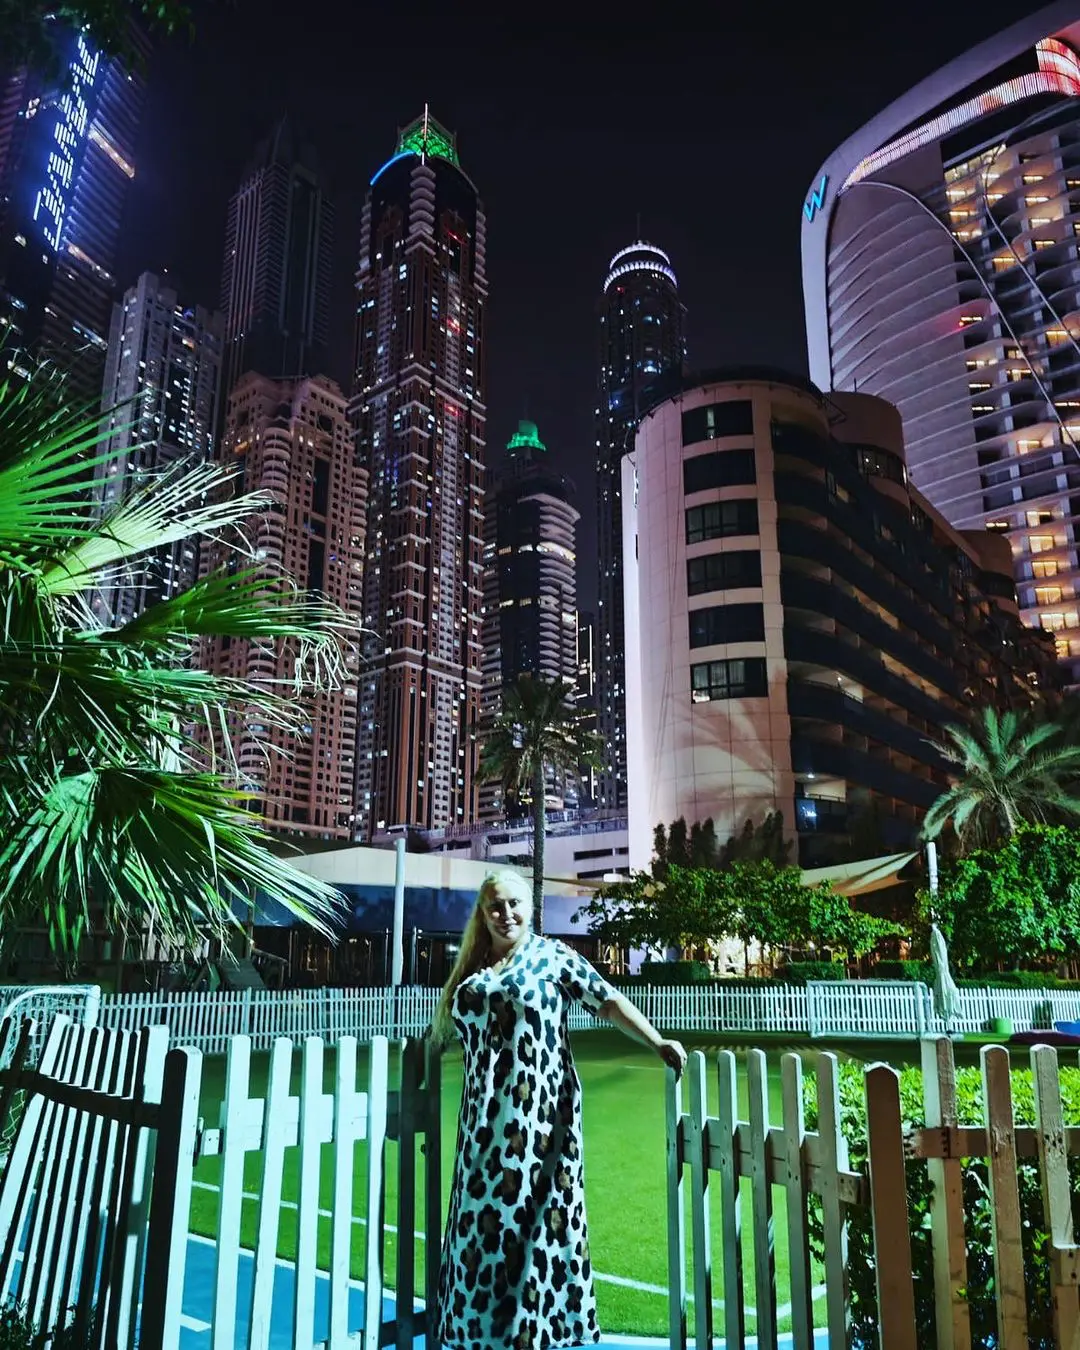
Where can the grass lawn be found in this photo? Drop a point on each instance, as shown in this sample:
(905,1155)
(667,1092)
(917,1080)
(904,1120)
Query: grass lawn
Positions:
(623,1087)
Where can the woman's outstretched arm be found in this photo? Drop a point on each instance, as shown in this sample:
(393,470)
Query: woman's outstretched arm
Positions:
(620,1011)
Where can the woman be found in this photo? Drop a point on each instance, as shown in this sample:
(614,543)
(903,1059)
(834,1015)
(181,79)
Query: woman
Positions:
(515,1265)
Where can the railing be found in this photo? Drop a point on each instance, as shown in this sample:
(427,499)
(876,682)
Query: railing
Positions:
(878,1009)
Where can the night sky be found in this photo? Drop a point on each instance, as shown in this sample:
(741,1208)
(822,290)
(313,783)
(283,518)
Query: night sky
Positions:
(711,134)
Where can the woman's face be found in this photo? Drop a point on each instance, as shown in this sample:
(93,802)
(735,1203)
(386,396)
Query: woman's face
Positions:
(507,917)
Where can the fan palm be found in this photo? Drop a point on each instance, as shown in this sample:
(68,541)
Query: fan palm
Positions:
(105,804)
(1008,773)
(536,733)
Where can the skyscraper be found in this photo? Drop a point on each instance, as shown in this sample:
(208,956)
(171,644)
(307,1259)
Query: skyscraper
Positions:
(939,270)
(530,582)
(419,410)
(641,339)
(67,157)
(275,285)
(294,442)
(162,376)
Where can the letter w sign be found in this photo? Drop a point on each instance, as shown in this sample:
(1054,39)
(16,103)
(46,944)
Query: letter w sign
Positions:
(816,200)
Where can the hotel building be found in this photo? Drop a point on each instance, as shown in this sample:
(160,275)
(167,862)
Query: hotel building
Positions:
(941,270)
(800,622)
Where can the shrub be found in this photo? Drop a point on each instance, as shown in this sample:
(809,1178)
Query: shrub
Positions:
(675,972)
(18,1332)
(976,1190)
(904,970)
(799,972)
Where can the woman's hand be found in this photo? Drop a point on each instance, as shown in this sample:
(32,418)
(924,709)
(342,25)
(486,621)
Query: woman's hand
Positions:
(673,1054)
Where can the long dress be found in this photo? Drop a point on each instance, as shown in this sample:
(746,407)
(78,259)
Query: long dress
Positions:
(515,1267)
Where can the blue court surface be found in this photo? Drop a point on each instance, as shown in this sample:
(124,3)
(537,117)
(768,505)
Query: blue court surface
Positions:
(198,1301)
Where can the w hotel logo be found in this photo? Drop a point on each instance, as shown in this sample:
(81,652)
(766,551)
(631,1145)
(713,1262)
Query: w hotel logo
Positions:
(816,200)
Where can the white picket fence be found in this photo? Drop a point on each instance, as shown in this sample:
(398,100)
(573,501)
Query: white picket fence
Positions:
(880,1009)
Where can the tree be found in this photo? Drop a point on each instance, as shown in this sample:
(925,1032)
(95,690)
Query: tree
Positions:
(689,907)
(1018,902)
(106,807)
(758,843)
(1008,773)
(694,848)
(37,33)
(537,733)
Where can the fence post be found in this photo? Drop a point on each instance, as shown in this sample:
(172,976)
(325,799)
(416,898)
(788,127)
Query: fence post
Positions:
(245,1020)
(834,1157)
(889,1209)
(953,1316)
(730,1208)
(674,1139)
(761,1188)
(700,1227)
(1057,1192)
(1004,1200)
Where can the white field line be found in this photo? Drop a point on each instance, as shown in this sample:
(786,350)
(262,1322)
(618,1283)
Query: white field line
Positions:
(621,1280)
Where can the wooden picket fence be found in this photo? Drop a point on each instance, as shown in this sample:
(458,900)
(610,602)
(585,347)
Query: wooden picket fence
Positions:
(95,1197)
(784,1156)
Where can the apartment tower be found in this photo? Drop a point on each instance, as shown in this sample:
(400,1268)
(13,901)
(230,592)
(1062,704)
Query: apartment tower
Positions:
(292,441)
(162,376)
(418,409)
(641,340)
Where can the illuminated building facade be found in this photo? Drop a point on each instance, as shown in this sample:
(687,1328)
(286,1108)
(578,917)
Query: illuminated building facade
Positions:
(940,271)
(418,405)
(275,285)
(67,157)
(162,375)
(641,339)
(530,585)
(294,443)
(801,624)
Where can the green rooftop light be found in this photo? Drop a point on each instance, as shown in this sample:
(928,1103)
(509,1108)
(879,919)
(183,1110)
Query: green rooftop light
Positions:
(426,138)
(525,438)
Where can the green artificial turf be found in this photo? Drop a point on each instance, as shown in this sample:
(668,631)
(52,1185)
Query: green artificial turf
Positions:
(623,1086)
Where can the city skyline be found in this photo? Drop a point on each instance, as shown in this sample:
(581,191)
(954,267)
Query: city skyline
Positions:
(615,162)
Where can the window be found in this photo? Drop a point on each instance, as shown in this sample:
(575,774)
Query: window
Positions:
(1047,595)
(721,468)
(728,679)
(732,418)
(1039,517)
(1047,567)
(1040,543)
(718,520)
(723,571)
(727,623)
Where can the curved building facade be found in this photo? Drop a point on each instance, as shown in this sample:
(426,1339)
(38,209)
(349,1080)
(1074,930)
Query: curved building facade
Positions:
(800,622)
(941,270)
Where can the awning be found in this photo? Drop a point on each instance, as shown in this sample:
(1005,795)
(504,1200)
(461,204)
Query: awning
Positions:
(860,878)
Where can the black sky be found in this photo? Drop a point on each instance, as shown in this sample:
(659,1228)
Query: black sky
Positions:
(571,125)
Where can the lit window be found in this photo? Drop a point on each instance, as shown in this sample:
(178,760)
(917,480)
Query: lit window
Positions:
(1040,517)
(1040,543)
(1028,179)
(1046,567)
(1004,261)
(1035,200)
(966,320)
(1053,623)
(997,524)
(1056,336)
(1048,595)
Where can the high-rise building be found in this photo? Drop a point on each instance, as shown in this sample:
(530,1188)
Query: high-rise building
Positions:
(294,442)
(67,158)
(419,410)
(801,624)
(641,339)
(275,285)
(530,583)
(940,271)
(162,376)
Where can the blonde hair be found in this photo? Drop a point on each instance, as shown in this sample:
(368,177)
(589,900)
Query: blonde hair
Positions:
(475,948)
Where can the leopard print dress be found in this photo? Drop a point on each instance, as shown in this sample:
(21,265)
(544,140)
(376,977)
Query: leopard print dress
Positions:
(515,1267)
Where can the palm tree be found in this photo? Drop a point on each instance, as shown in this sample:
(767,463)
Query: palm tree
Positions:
(106,804)
(536,734)
(1008,773)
